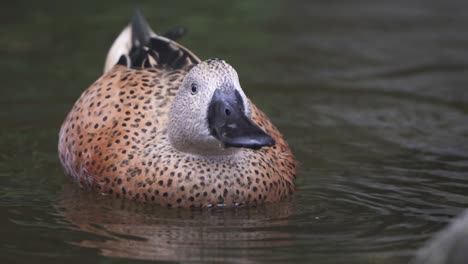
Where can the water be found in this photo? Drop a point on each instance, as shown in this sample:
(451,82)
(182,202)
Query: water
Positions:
(371,95)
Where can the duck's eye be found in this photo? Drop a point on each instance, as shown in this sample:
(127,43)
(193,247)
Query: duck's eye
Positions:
(194,88)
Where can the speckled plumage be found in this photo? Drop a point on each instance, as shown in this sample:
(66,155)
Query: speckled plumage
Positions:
(115,141)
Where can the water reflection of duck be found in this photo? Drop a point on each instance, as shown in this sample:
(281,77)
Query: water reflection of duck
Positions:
(161,126)
(130,230)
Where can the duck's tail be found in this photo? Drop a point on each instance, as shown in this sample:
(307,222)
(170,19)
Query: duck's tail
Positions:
(138,46)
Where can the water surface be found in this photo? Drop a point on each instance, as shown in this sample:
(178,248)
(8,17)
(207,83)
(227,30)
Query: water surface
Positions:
(371,95)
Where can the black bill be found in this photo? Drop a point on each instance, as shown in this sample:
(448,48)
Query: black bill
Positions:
(229,124)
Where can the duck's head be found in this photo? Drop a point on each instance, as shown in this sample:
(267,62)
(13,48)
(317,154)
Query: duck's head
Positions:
(210,115)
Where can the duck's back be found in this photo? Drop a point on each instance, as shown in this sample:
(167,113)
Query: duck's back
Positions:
(123,111)
(127,106)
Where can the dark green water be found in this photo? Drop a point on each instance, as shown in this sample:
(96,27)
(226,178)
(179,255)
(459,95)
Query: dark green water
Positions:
(372,96)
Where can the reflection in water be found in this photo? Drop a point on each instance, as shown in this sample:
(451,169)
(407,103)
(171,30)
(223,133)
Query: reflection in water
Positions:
(130,230)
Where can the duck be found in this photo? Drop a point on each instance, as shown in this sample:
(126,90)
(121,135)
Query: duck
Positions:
(162,126)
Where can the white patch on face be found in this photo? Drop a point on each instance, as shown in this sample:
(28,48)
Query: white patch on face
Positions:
(188,121)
